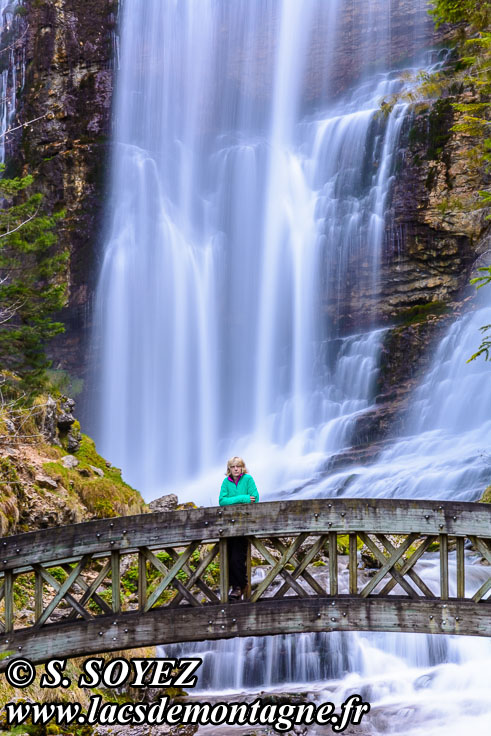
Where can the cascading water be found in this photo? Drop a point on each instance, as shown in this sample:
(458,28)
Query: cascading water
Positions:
(427,684)
(445,452)
(235,201)
(239,196)
(8,76)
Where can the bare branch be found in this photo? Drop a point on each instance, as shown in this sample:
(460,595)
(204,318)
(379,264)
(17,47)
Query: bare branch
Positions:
(9,232)
(17,42)
(23,125)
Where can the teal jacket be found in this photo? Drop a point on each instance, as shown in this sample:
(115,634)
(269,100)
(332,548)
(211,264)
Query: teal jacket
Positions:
(240,493)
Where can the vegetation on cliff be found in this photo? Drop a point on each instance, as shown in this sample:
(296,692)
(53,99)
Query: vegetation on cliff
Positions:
(475,12)
(32,285)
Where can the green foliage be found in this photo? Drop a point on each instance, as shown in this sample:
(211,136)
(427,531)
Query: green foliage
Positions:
(486,497)
(64,383)
(475,12)
(485,346)
(104,497)
(32,283)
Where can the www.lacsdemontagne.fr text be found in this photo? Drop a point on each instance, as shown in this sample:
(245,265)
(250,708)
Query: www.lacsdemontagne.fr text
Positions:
(282,717)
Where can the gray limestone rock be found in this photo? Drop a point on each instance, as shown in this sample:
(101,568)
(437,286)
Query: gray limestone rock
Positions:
(69,461)
(164,503)
(45,481)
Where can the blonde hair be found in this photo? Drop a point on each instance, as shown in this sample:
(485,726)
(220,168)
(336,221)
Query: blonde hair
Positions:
(235,461)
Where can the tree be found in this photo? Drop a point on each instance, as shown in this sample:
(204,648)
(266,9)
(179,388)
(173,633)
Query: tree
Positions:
(32,284)
(475,12)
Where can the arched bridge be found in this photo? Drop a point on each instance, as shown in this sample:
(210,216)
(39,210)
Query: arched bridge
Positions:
(134,581)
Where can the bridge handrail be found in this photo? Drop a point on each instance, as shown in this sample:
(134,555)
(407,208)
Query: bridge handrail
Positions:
(341,515)
(180,575)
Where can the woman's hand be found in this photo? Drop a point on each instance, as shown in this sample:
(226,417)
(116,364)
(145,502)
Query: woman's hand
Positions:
(253,500)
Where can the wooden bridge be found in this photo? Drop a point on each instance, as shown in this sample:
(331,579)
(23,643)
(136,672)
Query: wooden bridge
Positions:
(135,581)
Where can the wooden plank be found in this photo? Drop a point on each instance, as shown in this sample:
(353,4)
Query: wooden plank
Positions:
(333,563)
(266,617)
(194,579)
(224,585)
(38,595)
(406,568)
(159,565)
(248,590)
(395,569)
(282,518)
(277,566)
(353,564)
(443,567)
(78,608)
(481,547)
(289,578)
(9,601)
(301,569)
(63,591)
(90,591)
(115,581)
(479,594)
(2,593)
(460,567)
(142,581)
(388,566)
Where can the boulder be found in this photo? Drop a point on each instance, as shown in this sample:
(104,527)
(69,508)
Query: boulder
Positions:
(164,503)
(73,442)
(69,461)
(44,481)
(64,421)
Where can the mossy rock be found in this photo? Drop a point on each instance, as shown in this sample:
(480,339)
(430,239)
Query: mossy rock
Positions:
(486,496)
(104,497)
(420,313)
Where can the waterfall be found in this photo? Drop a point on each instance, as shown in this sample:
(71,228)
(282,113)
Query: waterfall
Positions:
(248,210)
(249,195)
(445,452)
(8,74)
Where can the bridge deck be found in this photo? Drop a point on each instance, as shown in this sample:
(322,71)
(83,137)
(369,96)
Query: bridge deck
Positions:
(161,578)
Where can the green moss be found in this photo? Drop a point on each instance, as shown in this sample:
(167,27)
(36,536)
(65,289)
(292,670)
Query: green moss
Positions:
(104,497)
(343,544)
(10,477)
(486,497)
(23,590)
(420,312)
(439,128)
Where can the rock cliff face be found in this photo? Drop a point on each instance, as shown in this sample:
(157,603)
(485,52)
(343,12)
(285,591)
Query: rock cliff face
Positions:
(431,251)
(67,49)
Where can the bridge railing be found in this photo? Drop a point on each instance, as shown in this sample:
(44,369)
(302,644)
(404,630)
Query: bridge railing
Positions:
(175,561)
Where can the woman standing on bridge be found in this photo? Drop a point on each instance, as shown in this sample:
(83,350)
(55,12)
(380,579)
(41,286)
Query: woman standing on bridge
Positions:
(237,487)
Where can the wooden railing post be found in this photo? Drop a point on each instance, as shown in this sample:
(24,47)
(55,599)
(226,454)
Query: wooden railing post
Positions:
(248,589)
(224,586)
(353,565)
(460,568)
(9,601)
(443,567)
(142,581)
(38,596)
(116,581)
(333,563)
